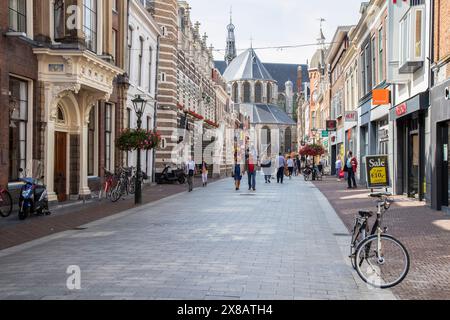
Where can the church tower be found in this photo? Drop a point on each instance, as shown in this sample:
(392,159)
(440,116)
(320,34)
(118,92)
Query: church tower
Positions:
(230,53)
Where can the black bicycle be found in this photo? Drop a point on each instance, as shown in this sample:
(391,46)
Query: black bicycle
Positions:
(379,259)
(6,203)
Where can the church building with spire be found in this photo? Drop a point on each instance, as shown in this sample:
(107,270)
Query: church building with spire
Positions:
(268,92)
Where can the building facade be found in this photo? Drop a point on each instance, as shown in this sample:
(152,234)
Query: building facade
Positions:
(142,56)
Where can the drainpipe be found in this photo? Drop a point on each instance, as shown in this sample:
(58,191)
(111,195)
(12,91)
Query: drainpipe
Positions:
(155,115)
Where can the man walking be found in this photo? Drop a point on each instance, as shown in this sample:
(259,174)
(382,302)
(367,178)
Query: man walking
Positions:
(290,164)
(281,166)
(351,165)
(251,171)
(190,168)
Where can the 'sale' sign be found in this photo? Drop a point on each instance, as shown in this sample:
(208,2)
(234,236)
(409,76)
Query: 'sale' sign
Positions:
(377,171)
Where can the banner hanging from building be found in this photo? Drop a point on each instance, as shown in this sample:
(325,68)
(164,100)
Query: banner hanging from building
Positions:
(377,171)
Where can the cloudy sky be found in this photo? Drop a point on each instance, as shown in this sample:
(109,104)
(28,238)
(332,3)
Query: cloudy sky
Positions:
(273,23)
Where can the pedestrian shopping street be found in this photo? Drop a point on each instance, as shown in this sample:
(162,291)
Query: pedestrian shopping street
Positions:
(280,242)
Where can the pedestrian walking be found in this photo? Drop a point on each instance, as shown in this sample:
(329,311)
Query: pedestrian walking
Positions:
(251,172)
(290,164)
(351,165)
(298,166)
(266,166)
(281,167)
(190,171)
(237,175)
(204,173)
(338,168)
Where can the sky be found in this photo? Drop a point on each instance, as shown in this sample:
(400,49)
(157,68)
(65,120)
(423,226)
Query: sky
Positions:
(273,23)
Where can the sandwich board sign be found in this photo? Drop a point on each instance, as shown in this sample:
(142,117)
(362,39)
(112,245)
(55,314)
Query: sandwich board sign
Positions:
(377,171)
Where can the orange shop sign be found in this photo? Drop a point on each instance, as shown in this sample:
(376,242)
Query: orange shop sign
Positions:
(381,96)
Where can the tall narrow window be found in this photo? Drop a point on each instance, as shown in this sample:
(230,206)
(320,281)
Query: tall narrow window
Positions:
(418,36)
(18,127)
(90,24)
(269,93)
(91,142)
(147,153)
(373,65)
(150,63)
(380,55)
(258,92)
(114,46)
(246,92)
(141,53)
(130,48)
(58,20)
(235,93)
(17,12)
(108,135)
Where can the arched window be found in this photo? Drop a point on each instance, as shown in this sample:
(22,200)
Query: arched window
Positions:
(258,92)
(60,115)
(269,93)
(266,141)
(282,101)
(246,92)
(235,93)
(288,140)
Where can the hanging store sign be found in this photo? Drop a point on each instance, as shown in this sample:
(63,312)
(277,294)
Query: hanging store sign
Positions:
(381,97)
(377,171)
(331,125)
(351,116)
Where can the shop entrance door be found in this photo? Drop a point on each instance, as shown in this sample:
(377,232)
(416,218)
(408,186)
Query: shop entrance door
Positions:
(413,164)
(61,165)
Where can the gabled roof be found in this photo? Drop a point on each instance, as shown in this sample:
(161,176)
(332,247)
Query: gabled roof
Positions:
(281,72)
(247,66)
(266,114)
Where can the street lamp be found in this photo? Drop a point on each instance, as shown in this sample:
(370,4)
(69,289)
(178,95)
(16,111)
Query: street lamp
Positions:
(139,105)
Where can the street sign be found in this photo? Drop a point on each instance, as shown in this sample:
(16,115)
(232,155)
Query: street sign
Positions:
(324,134)
(381,97)
(377,169)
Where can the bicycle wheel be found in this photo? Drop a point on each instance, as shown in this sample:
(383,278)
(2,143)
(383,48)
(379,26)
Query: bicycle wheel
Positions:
(116,193)
(384,270)
(132,186)
(5,204)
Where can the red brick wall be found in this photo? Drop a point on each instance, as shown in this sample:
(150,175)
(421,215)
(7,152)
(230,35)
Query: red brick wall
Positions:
(16,57)
(441,31)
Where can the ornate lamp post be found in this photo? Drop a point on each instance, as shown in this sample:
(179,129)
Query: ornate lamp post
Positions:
(139,107)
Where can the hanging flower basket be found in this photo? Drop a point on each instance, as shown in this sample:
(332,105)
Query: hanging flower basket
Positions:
(195,115)
(132,139)
(312,150)
(180,106)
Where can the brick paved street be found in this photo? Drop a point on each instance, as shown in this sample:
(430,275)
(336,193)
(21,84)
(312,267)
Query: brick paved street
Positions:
(425,233)
(282,242)
(69,216)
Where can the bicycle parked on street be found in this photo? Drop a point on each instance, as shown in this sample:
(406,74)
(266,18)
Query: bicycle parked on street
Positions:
(6,203)
(379,259)
(108,185)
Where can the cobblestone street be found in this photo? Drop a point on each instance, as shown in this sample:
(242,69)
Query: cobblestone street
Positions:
(280,242)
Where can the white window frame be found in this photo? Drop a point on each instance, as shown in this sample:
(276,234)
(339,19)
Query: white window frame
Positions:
(408,35)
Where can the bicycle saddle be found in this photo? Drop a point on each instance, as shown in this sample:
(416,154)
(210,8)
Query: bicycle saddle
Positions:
(380,194)
(365,214)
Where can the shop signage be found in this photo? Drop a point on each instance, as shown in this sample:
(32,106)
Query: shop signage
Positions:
(381,96)
(351,116)
(324,134)
(377,171)
(349,134)
(331,125)
(401,109)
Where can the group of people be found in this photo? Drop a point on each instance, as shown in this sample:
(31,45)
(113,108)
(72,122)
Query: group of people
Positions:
(349,167)
(191,170)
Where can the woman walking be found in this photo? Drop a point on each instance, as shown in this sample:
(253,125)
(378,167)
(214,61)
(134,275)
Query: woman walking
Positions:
(237,174)
(267,169)
(204,173)
(290,164)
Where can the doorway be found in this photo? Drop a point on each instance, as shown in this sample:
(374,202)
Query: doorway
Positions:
(60,174)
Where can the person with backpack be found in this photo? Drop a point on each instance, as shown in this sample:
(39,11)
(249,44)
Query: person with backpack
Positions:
(351,165)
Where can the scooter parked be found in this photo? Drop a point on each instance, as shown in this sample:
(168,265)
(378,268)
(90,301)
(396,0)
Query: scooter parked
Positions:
(170,175)
(33,198)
